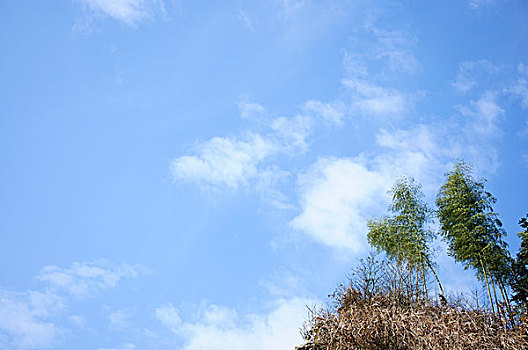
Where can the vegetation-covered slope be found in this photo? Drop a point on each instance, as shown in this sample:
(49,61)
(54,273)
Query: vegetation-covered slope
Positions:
(388,304)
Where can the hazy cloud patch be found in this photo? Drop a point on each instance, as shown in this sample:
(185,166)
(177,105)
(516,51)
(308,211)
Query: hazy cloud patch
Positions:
(126,346)
(478,4)
(330,113)
(373,100)
(219,327)
(24,317)
(483,114)
(130,12)
(85,278)
(474,74)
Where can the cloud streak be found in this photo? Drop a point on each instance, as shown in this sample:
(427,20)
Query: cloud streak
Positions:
(85,278)
(130,12)
(373,100)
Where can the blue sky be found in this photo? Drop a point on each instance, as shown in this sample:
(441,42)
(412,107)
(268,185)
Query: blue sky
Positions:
(190,175)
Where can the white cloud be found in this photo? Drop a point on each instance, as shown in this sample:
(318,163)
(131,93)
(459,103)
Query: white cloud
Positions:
(338,195)
(375,100)
(78,321)
(414,152)
(224,161)
(471,74)
(525,158)
(483,114)
(269,183)
(425,152)
(219,327)
(23,319)
(169,316)
(292,133)
(86,278)
(127,346)
(395,49)
(289,8)
(390,51)
(120,319)
(244,17)
(330,113)
(336,198)
(237,161)
(250,109)
(130,12)
(284,283)
(520,87)
(391,54)
(354,65)
(29,320)
(477,4)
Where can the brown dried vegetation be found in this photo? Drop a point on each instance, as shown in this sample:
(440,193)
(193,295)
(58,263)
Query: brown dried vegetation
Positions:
(380,316)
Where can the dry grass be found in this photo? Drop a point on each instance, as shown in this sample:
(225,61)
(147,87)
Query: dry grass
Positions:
(390,320)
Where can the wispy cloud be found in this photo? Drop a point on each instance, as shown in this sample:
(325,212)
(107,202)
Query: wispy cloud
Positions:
(220,327)
(244,17)
(483,114)
(270,181)
(525,158)
(395,49)
(288,8)
(120,319)
(130,12)
(373,65)
(478,4)
(34,319)
(292,133)
(237,161)
(372,100)
(24,317)
(379,53)
(471,74)
(85,278)
(329,113)
(519,88)
(284,283)
(169,316)
(126,346)
(250,110)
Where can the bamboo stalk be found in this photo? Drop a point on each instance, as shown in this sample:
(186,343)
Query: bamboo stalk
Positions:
(487,285)
(437,279)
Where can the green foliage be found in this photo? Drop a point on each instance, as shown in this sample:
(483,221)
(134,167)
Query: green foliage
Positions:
(520,267)
(404,236)
(467,222)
